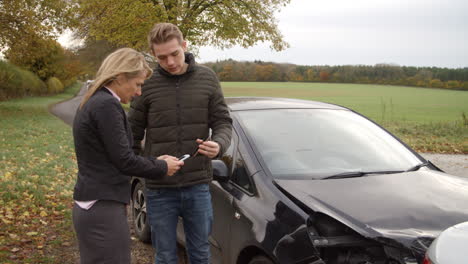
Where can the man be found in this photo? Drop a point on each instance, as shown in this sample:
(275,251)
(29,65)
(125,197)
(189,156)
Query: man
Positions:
(179,104)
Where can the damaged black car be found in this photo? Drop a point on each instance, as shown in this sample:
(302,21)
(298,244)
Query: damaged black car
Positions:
(310,182)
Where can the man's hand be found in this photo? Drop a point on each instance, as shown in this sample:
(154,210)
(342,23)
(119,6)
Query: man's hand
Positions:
(163,157)
(173,164)
(208,148)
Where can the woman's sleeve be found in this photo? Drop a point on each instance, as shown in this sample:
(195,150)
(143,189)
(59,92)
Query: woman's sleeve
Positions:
(110,120)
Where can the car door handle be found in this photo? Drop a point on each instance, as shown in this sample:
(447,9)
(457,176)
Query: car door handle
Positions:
(237,215)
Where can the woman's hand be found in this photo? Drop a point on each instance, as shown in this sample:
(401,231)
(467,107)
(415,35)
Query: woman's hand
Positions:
(173,164)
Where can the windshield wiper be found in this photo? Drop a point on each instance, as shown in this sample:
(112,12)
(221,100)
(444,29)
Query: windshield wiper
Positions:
(417,167)
(355,174)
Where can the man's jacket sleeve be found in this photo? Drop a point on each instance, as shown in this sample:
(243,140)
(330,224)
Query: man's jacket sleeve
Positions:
(137,118)
(220,121)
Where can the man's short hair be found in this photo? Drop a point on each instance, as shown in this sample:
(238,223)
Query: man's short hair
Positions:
(164,32)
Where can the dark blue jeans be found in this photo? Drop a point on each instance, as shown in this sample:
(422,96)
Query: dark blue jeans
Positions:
(193,204)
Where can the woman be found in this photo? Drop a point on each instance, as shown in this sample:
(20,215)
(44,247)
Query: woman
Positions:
(106,161)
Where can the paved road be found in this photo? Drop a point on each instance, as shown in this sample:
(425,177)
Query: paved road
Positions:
(66,110)
(450,163)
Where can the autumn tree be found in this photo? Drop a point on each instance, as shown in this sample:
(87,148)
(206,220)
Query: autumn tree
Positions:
(37,55)
(263,72)
(46,58)
(72,68)
(309,75)
(221,23)
(226,74)
(324,75)
(20,20)
(247,70)
(91,54)
(295,77)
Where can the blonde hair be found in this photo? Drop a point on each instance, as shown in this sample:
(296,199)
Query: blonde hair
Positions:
(125,61)
(164,32)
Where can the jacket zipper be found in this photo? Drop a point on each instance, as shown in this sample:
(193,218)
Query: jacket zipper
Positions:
(179,114)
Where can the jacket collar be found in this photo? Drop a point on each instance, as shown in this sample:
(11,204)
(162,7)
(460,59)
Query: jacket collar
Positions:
(103,89)
(189,59)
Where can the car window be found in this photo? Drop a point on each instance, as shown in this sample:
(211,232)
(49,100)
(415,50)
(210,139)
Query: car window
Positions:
(240,175)
(316,143)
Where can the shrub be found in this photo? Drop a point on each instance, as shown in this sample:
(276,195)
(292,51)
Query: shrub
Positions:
(436,83)
(453,84)
(8,80)
(465,86)
(54,85)
(31,83)
(16,82)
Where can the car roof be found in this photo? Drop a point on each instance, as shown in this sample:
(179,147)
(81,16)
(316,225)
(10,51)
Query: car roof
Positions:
(262,103)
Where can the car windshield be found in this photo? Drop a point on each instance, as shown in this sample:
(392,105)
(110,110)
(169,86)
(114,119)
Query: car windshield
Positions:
(319,143)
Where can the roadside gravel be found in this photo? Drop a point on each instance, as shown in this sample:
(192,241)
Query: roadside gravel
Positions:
(455,164)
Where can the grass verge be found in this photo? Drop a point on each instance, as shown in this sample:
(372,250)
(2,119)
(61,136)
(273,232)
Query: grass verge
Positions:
(437,137)
(37,174)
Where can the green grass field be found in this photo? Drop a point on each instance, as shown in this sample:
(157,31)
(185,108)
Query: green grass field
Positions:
(37,173)
(378,102)
(429,120)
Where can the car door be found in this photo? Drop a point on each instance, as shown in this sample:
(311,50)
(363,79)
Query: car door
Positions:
(244,199)
(223,213)
(228,199)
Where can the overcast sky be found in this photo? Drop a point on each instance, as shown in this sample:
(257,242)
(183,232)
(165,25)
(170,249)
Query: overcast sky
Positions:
(341,32)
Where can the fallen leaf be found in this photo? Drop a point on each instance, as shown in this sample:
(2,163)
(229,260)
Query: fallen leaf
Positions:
(7,176)
(66,244)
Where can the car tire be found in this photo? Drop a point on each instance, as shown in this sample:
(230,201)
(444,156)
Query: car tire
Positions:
(260,260)
(139,215)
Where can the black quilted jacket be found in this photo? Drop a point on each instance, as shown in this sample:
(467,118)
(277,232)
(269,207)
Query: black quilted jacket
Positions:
(175,110)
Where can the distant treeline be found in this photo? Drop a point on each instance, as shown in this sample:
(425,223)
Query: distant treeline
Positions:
(230,70)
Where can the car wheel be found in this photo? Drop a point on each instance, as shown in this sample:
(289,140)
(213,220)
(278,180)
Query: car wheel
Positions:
(140,219)
(260,260)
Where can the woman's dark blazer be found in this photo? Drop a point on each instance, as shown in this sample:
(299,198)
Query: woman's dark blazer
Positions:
(104,153)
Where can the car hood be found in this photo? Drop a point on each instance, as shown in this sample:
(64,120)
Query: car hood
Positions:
(400,206)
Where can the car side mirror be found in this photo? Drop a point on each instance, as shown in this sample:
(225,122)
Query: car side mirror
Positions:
(220,171)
